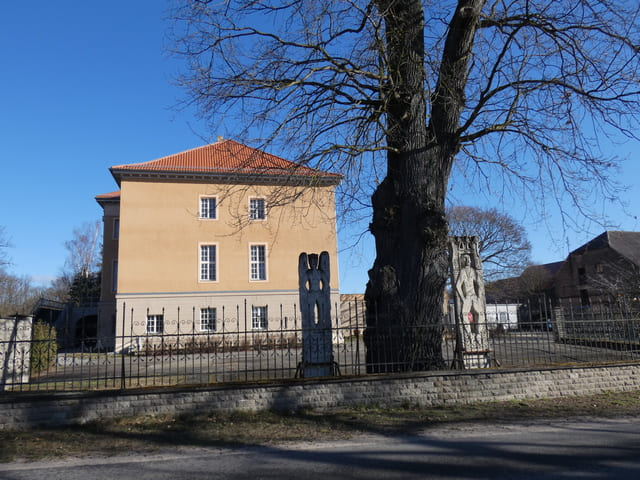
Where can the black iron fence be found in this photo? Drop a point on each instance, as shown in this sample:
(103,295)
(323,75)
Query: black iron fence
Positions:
(235,348)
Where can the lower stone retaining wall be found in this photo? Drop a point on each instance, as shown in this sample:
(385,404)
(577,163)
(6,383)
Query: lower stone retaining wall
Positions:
(427,389)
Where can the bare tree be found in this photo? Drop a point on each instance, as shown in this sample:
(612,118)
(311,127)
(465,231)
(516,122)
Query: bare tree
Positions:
(394,94)
(502,242)
(4,246)
(59,288)
(84,249)
(617,280)
(17,295)
(81,274)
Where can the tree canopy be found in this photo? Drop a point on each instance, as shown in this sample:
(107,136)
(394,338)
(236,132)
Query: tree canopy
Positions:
(545,81)
(397,94)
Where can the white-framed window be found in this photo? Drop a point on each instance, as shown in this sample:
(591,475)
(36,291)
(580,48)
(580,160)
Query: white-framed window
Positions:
(257,209)
(259,317)
(116,228)
(114,276)
(208,208)
(258,262)
(155,323)
(208,263)
(207,319)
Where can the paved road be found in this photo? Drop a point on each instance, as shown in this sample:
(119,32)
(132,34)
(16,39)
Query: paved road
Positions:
(598,449)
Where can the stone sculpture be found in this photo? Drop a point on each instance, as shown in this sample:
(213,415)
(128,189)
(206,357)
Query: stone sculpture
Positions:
(315,308)
(472,344)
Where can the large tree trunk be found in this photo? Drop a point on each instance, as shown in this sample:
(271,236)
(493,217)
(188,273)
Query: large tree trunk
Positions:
(405,292)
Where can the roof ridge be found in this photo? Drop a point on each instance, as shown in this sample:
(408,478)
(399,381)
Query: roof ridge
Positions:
(225,156)
(217,142)
(192,149)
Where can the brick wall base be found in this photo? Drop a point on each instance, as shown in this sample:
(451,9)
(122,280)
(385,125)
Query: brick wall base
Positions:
(426,388)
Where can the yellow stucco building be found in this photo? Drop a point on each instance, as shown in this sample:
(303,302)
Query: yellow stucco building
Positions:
(207,240)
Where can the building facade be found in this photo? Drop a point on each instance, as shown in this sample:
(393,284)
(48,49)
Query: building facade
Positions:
(208,240)
(600,271)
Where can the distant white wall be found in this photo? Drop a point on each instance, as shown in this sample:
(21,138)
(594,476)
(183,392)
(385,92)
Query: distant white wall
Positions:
(505,314)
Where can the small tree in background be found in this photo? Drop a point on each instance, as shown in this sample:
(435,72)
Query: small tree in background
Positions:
(84,249)
(617,283)
(81,276)
(44,347)
(85,287)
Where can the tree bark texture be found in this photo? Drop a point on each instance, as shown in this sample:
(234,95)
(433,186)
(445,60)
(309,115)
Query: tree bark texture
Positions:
(405,292)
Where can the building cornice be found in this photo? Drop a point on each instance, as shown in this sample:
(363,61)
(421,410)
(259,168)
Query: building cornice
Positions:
(321,179)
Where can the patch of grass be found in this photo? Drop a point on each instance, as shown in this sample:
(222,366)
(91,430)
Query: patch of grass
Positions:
(163,432)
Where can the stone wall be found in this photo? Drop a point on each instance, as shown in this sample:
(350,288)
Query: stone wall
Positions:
(428,389)
(15,349)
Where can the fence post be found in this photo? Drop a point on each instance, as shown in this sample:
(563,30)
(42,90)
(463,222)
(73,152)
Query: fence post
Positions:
(560,330)
(122,363)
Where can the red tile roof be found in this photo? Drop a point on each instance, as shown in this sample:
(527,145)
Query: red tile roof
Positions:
(224,158)
(105,198)
(108,196)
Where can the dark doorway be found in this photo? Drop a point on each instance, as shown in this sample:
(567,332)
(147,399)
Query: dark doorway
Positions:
(87,331)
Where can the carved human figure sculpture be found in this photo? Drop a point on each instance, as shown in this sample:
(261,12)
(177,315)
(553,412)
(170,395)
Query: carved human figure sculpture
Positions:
(468,289)
(468,285)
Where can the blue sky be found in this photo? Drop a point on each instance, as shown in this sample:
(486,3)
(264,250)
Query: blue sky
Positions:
(86,85)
